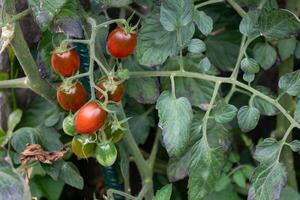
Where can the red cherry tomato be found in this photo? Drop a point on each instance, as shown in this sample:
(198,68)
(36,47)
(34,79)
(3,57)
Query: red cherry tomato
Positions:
(114,91)
(66,63)
(71,96)
(90,118)
(121,44)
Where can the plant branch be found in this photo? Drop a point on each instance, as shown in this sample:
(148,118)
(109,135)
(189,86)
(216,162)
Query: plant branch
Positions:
(154,148)
(237,7)
(208,3)
(248,88)
(14,83)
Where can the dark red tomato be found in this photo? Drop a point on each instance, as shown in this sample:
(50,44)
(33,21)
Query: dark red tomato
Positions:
(114,91)
(71,96)
(121,44)
(66,63)
(90,118)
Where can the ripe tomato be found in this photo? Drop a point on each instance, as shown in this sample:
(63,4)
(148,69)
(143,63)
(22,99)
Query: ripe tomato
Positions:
(114,91)
(65,63)
(106,154)
(83,146)
(90,118)
(71,96)
(120,43)
(68,125)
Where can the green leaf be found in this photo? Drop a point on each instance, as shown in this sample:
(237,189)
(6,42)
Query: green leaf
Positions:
(185,35)
(228,193)
(295,145)
(239,179)
(265,55)
(297,112)
(155,44)
(203,22)
(196,46)
(267,182)
(46,187)
(197,91)
(13,120)
(267,151)
(205,169)
(288,193)
(205,64)
(222,183)
(24,136)
(164,193)
(287,47)
(273,24)
(224,113)
(223,49)
(46,10)
(176,13)
(52,119)
(264,107)
(248,118)
(290,83)
(147,89)
(178,167)
(12,185)
(53,169)
(175,116)
(70,175)
(248,77)
(249,65)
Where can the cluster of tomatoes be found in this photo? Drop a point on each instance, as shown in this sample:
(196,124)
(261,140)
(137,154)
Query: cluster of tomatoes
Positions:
(94,130)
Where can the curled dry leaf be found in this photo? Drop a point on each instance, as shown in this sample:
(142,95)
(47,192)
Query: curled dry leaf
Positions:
(35,152)
(7,34)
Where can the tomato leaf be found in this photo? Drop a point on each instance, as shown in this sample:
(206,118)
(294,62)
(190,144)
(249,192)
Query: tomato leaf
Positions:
(265,55)
(289,193)
(273,24)
(176,13)
(164,193)
(70,175)
(267,151)
(287,48)
(155,44)
(264,107)
(224,113)
(204,170)
(290,83)
(295,145)
(248,118)
(12,185)
(175,116)
(203,22)
(267,182)
(196,46)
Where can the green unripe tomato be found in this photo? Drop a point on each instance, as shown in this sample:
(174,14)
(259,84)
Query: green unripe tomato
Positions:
(106,153)
(114,136)
(83,146)
(68,125)
(249,66)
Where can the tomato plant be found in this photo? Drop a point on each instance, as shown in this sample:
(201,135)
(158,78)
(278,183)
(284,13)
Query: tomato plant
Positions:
(199,98)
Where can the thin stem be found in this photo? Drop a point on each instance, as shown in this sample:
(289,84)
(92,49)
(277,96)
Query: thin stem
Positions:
(123,21)
(173,86)
(66,41)
(140,74)
(262,4)
(17,17)
(143,192)
(111,192)
(154,149)
(243,48)
(284,139)
(237,7)
(251,100)
(78,76)
(101,65)
(15,83)
(207,3)
(211,105)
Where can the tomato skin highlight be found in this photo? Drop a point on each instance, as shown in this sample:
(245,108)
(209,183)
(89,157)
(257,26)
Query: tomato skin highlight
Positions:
(90,118)
(116,95)
(72,97)
(66,63)
(121,44)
